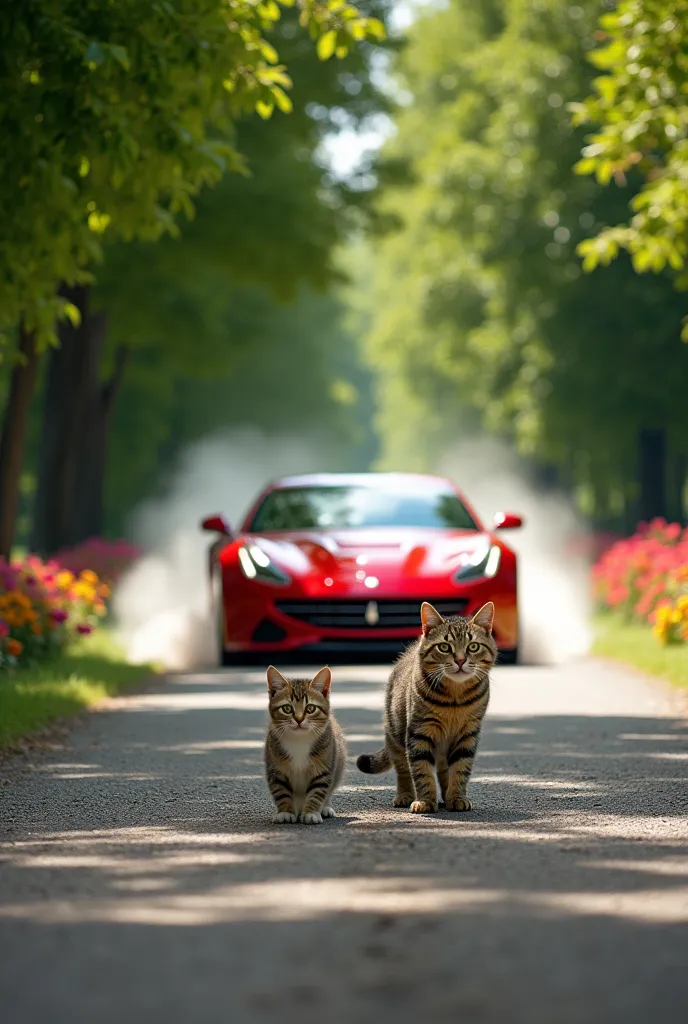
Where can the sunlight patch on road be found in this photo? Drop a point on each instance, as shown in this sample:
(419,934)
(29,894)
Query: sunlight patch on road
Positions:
(310,899)
(671,867)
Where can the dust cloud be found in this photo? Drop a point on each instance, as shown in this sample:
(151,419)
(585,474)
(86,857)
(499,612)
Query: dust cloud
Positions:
(553,582)
(161,605)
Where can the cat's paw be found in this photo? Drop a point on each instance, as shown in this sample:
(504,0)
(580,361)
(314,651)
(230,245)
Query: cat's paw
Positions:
(423,807)
(459,803)
(312,818)
(402,800)
(328,812)
(284,818)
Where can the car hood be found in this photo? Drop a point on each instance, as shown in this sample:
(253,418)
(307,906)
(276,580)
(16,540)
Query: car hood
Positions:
(384,553)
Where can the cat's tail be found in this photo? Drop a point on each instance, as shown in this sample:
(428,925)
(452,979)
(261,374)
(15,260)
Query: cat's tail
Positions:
(374,764)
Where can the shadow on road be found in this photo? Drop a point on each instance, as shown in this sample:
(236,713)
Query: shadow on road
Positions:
(140,868)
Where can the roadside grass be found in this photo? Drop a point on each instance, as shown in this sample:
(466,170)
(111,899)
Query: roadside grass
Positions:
(635,645)
(86,673)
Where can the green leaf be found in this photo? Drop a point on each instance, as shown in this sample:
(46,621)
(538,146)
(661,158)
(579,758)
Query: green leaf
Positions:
(375,29)
(121,55)
(264,109)
(269,51)
(326,45)
(282,100)
(71,313)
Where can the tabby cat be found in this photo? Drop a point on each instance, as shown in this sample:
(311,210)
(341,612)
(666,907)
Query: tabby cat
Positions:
(305,753)
(436,698)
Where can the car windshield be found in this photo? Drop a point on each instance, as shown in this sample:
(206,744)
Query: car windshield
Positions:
(328,508)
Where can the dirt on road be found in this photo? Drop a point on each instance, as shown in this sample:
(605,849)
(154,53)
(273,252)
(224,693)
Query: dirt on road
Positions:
(142,881)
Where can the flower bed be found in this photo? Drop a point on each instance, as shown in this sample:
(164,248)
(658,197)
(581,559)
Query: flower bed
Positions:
(108,559)
(45,605)
(645,578)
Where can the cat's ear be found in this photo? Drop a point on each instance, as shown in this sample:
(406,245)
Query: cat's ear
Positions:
(322,681)
(276,681)
(429,617)
(485,617)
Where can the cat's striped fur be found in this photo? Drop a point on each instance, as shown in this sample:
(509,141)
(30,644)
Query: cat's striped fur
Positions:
(436,698)
(305,753)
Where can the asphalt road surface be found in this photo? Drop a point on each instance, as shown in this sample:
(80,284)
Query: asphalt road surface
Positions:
(141,878)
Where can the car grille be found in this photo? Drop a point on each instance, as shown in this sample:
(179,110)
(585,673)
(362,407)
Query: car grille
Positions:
(366,614)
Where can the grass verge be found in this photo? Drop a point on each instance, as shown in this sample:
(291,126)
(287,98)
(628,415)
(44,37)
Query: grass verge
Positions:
(635,645)
(89,671)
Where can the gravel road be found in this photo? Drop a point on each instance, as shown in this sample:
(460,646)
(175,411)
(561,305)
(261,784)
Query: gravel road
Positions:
(141,879)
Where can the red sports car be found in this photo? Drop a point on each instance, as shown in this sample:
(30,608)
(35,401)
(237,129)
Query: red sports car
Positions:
(335,567)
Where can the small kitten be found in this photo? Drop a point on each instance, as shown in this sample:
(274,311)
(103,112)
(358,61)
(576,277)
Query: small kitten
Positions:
(305,752)
(436,698)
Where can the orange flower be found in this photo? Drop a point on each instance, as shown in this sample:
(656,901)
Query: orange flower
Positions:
(36,629)
(14,647)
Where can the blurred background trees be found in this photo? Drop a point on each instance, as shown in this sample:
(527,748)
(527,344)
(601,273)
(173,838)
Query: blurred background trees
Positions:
(483,318)
(121,117)
(510,264)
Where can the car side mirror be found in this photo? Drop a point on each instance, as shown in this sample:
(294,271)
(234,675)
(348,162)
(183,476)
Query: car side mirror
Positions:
(507,521)
(216,524)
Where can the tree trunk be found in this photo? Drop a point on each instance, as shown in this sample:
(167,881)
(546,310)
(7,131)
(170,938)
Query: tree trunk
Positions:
(22,385)
(90,487)
(679,478)
(64,413)
(652,473)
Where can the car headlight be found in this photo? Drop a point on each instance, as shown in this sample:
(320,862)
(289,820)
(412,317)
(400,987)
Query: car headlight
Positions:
(483,564)
(256,565)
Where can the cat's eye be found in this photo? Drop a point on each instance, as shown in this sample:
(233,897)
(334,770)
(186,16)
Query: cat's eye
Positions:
(445,648)
(287,709)
(473,648)
(310,709)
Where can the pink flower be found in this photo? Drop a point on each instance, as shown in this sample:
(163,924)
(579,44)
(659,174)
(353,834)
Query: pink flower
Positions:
(58,615)
(4,629)
(84,629)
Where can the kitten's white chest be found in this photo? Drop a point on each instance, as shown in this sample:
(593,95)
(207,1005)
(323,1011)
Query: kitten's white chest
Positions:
(299,750)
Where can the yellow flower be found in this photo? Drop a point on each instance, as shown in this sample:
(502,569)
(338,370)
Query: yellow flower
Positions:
(83,591)
(64,579)
(88,576)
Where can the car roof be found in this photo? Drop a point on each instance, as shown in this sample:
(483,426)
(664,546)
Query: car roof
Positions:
(361,480)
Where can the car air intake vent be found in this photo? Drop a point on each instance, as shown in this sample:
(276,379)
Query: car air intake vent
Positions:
(267,632)
(366,614)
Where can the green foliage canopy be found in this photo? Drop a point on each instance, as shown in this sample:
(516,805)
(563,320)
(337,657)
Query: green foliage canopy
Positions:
(640,105)
(118,113)
(482,314)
